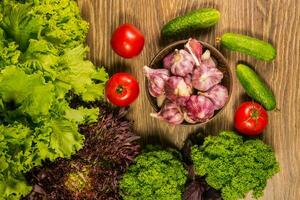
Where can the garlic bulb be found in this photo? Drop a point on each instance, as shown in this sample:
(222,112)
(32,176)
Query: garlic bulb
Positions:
(170,112)
(188,87)
(156,80)
(218,95)
(182,64)
(176,87)
(205,78)
(198,109)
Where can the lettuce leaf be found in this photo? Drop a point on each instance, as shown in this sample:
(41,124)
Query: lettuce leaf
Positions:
(15,147)
(27,93)
(81,74)
(65,139)
(42,66)
(13,187)
(62,23)
(9,54)
(40,56)
(82,115)
(19,23)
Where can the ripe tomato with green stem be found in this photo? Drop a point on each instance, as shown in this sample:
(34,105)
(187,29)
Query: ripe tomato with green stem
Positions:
(127,41)
(250,118)
(122,89)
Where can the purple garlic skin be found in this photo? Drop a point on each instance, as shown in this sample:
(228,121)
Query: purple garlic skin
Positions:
(218,95)
(194,47)
(170,113)
(198,109)
(205,78)
(181,101)
(168,61)
(176,87)
(182,63)
(156,80)
(188,80)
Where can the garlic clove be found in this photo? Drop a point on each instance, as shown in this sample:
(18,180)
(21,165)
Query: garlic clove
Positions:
(194,47)
(156,80)
(210,62)
(163,73)
(205,55)
(160,100)
(170,113)
(182,89)
(205,78)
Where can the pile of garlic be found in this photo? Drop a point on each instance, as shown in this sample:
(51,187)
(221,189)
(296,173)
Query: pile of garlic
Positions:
(188,86)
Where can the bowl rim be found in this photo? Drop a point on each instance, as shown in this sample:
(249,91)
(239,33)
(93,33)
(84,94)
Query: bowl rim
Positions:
(205,45)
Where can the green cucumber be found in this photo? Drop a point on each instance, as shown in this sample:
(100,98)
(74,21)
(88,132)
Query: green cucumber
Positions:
(259,49)
(255,87)
(202,18)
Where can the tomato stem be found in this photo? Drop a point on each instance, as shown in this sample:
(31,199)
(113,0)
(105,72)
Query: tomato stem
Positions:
(119,90)
(255,112)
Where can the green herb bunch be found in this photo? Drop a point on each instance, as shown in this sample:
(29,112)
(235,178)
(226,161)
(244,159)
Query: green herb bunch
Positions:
(234,166)
(156,174)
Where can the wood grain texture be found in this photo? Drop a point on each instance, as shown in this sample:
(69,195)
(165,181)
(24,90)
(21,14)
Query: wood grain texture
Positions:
(276,21)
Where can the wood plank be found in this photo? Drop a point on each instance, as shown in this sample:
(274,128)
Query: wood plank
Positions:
(272,20)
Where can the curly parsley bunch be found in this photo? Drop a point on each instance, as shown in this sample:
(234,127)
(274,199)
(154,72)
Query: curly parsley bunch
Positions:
(156,174)
(234,166)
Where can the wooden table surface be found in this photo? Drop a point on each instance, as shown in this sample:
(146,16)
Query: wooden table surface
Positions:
(276,21)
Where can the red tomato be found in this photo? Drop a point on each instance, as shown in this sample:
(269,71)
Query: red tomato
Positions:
(250,118)
(127,41)
(122,89)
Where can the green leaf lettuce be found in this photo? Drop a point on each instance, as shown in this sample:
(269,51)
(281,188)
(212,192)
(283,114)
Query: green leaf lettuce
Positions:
(43,65)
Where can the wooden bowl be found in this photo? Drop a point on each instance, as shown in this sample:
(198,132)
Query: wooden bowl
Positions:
(221,62)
